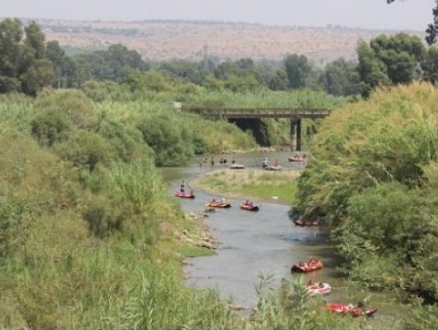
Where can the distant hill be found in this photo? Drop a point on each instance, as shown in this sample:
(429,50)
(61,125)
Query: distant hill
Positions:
(163,40)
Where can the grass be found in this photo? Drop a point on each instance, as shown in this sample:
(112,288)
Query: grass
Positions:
(251,184)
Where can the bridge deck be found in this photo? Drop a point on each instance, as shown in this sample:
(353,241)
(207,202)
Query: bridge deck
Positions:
(262,113)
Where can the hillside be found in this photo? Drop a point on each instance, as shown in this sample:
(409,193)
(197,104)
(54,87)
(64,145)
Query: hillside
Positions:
(163,40)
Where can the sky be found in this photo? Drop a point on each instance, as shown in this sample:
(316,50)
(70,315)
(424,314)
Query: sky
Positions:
(369,14)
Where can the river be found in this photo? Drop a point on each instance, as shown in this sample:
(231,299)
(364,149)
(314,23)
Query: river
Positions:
(264,242)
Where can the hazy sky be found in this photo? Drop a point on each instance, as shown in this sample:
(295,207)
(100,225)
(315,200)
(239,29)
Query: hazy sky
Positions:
(376,14)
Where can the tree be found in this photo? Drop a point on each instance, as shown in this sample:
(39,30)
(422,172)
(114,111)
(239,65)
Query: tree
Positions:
(279,81)
(39,70)
(399,66)
(390,60)
(84,149)
(38,75)
(152,80)
(114,64)
(23,63)
(35,40)
(64,66)
(400,42)
(242,83)
(372,72)
(170,140)
(186,70)
(297,70)
(240,68)
(123,61)
(11,34)
(432,29)
(340,78)
(430,65)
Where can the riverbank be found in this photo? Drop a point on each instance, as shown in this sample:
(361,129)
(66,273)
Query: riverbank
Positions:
(276,187)
(255,184)
(205,238)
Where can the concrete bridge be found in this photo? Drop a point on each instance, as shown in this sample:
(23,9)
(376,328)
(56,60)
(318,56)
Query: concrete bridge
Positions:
(295,114)
(262,112)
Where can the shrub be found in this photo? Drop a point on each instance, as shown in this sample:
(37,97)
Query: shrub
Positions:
(84,149)
(50,126)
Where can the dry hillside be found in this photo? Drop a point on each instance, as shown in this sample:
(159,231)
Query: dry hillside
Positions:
(163,40)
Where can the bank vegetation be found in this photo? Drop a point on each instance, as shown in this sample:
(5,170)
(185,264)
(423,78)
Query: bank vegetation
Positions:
(373,176)
(254,184)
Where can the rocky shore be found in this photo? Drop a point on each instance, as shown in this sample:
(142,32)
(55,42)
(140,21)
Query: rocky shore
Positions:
(205,239)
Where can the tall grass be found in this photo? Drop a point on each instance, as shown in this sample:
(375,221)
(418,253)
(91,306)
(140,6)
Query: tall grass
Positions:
(294,99)
(259,185)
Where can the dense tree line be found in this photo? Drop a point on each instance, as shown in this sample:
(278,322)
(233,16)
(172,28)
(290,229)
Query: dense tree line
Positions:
(28,63)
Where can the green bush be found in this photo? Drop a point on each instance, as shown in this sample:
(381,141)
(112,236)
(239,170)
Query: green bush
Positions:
(50,126)
(125,142)
(170,140)
(94,90)
(103,217)
(72,103)
(84,149)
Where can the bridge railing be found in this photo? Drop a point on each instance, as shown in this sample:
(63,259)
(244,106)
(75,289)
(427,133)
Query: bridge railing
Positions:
(262,113)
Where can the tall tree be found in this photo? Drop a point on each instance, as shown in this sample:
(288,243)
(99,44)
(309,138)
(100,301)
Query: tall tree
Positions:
(399,66)
(114,64)
(23,63)
(39,74)
(57,55)
(64,66)
(372,71)
(430,65)
(35,40)
(279,81)
(11,34)
(124,61)
(398,57)
(340,78)
(297,70)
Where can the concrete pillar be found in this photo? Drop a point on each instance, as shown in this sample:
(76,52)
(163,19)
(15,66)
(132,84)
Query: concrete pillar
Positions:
(298,143)
(293,135)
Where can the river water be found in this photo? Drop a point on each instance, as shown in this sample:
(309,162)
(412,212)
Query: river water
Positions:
(264,242)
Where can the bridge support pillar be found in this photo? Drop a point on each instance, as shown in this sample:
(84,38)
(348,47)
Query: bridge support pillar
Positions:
(298,134)
(295,134)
